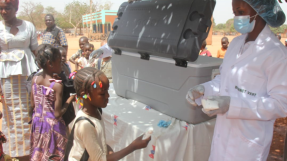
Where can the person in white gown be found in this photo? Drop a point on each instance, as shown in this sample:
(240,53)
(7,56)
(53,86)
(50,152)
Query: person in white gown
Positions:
(18,41)
(251,90)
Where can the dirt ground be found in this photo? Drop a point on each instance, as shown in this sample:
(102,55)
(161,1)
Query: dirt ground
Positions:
(280,126)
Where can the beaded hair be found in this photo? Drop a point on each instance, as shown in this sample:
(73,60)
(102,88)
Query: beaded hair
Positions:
(46,52)
(84,79)
(61,49)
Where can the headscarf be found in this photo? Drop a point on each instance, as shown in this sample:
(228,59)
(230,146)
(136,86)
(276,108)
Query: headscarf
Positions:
(13,3)
(107,51)
(269,10)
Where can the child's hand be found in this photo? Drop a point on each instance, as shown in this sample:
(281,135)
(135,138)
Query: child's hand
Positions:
(71,99)
(139,143)
(56,76)
(1,115)
(110,150)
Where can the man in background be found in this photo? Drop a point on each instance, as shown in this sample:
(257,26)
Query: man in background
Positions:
(54,35)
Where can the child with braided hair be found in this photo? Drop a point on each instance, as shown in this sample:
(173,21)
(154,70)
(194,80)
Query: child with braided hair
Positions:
(48,134)
(87,139)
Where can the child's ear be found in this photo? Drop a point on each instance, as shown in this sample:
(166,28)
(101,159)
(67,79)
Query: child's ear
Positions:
(82,94)
(49,63)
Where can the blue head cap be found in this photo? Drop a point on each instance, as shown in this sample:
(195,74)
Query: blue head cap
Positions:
(269,10)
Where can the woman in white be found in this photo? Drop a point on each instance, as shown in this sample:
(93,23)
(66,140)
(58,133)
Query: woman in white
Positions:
(18,41)
(251,90)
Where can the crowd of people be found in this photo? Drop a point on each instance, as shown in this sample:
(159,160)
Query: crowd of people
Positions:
(224,45)
(36,80)
(220,53)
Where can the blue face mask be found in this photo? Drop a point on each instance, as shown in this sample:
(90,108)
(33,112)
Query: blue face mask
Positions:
(242,24)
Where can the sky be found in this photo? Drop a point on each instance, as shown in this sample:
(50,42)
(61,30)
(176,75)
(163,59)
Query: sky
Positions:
(222,12)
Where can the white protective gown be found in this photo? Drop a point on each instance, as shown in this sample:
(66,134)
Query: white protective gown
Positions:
(256,81)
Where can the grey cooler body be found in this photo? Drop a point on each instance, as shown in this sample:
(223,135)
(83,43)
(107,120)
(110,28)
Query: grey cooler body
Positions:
(160,84)
(156,60)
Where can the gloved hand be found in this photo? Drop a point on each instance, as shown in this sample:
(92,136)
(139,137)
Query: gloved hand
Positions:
(223,104)
(195,93)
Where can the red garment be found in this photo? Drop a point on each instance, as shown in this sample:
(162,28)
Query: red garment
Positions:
(205,53)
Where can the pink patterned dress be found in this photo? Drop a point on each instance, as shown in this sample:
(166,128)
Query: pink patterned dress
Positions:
(48,135)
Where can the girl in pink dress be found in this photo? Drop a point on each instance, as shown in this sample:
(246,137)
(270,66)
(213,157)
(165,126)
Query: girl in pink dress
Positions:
(48,135)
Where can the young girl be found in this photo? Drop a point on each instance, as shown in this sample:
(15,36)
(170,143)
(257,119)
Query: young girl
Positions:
(84,60)
(88,135)
(48,134)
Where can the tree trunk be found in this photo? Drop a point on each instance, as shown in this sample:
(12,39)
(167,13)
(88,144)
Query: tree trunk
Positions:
(76,31)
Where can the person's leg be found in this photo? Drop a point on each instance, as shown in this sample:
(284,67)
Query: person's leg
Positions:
(15,117)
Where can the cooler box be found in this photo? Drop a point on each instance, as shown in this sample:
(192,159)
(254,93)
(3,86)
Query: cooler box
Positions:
(156,59)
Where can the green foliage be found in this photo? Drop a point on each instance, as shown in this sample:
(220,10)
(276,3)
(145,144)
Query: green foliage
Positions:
(278,30)
(33,12)
(219,27)
(62,22)
(106,6)
(70,18)
(232,29)
(51,10)
(229,24)
(229,27)
(72,15)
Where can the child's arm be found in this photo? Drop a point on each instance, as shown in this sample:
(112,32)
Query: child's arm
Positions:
(72,61)
(88,134)
(218,53)
(59,110)
(74,57)
(110,150)
(139,143)
(208,53)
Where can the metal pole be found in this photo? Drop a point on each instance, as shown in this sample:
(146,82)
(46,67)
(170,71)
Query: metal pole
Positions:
(91,17)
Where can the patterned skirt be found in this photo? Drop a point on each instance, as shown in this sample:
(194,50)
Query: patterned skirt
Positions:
(15,125)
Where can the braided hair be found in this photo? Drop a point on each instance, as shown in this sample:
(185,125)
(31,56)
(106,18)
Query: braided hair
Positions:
(62,49)
(84,78)
(46,52)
